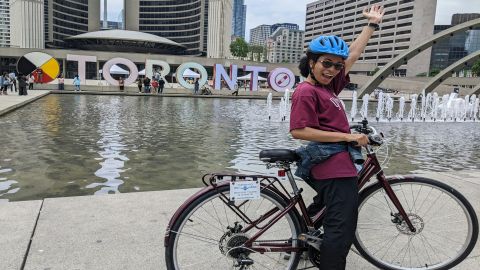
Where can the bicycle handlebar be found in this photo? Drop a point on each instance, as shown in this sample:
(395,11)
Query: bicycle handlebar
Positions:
(374,137)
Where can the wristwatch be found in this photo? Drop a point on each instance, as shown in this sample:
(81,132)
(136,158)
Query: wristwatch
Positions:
(375,26)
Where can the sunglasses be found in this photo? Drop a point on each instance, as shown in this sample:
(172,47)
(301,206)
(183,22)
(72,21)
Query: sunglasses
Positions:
(329,64)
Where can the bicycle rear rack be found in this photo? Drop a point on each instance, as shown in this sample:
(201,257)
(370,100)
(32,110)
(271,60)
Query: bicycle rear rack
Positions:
(266,182)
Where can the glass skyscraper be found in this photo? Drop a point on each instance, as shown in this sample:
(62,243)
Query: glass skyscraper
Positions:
(239,18)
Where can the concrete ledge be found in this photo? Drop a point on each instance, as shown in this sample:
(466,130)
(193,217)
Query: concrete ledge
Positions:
(9,103)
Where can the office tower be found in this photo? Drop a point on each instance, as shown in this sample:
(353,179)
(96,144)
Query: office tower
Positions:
(292,26)
(260,34)
(285,46)
(180,21)
(26,24)
(69,18)
(239,18)
(406,23)
(219,28)
(4,23)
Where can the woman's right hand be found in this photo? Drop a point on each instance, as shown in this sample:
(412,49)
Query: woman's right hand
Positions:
(360,139)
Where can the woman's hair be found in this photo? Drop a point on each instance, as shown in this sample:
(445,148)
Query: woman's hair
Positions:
(304,65)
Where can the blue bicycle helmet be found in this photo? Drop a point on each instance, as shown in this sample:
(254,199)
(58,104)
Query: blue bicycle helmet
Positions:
(329,44)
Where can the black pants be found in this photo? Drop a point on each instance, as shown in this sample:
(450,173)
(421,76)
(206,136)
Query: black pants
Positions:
(340,196)
(22,91)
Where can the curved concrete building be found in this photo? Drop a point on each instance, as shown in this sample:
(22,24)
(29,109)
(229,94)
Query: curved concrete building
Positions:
(181,21)
(124,41)
(70,18)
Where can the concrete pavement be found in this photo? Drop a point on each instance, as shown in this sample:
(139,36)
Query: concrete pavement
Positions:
(125,231)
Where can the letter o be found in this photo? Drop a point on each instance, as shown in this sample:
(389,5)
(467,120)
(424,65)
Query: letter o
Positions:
(132,77)
(281,79)
(185,66)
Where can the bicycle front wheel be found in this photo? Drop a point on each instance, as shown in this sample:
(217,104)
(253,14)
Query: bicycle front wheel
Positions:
(209,235)
(445,222)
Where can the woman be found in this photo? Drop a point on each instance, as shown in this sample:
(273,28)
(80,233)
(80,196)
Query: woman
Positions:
(22,84)
(121,84)
(31,80)
(61,82)
(76,83)
(318,116)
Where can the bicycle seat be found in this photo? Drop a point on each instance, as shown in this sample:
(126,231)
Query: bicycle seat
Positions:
(274,155)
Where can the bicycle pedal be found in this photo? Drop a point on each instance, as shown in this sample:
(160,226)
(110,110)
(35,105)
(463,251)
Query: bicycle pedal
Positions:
(312,241)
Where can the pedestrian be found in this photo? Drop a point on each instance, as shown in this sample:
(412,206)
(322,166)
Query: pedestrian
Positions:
(235,87)
(156,76)
(13,79)
(121,84)
(39,76)
(22,84)
(3,82)
(146,84)
(139,85)
(161,84)
(31,80)
(196,86)
(61,82)
(76,82)
(155,86)
(318,116)
(6,81)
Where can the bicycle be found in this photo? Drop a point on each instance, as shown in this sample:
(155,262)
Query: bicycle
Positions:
(405,222)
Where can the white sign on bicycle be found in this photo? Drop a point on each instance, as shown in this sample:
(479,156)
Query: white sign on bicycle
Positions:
(244,190)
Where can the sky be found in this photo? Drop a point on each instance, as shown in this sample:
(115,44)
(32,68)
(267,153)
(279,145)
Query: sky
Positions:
(293,11)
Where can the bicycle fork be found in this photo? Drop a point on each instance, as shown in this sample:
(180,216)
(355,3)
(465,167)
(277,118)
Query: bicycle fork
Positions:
(402,216)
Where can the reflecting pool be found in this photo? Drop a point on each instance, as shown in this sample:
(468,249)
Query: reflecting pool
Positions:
(67,145)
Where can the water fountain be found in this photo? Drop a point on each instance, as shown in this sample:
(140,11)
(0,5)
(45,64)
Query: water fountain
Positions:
(424,107)
(269,106)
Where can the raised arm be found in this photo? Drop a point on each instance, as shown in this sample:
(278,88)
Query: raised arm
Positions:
(374,16)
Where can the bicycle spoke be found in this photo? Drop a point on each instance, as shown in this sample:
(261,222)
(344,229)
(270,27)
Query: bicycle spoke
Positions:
(443,227)
(214,215)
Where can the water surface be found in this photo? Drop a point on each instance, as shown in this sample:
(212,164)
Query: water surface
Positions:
(67,145)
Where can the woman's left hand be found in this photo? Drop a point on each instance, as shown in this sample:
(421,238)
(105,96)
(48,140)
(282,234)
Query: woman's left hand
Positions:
(375,14)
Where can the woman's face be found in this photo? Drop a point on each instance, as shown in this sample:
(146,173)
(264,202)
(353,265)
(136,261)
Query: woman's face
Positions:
(326,67)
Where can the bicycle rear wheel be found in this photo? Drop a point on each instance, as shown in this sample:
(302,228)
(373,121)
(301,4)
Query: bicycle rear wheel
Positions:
(209,235)
(446,226)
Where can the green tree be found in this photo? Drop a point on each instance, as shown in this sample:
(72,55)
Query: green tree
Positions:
(239,48)
(371,73)
(434,72)
(256,50)
(423,74)
(476,68)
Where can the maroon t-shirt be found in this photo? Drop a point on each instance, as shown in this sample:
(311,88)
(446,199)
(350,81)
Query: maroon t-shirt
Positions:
(318,107)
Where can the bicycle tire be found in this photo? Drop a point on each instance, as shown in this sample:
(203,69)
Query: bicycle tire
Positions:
(427,258)
(178,229)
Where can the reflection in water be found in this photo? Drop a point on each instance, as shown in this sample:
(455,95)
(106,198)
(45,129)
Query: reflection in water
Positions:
(112,147)
(7,186)
(69,145)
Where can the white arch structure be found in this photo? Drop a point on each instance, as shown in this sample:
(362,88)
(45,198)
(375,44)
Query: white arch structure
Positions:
(476,90)
(411,52)
(466,61)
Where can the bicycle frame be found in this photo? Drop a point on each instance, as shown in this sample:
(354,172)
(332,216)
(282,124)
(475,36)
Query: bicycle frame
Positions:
(370,168)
